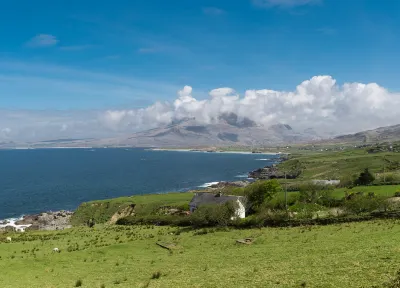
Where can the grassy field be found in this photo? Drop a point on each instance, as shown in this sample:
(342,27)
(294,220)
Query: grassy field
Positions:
(347,255)
(102,210)
(337,165)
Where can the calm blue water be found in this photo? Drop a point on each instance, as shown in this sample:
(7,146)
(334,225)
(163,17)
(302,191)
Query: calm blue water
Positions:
(33,181)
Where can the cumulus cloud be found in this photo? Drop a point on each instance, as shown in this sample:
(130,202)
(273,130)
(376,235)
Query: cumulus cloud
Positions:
(318,103)
(43,40)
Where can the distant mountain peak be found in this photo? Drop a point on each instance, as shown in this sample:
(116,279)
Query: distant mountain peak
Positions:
(234,120)
(281,127)
(176,121)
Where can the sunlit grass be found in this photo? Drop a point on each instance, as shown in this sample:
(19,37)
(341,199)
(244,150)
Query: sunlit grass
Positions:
(347,255)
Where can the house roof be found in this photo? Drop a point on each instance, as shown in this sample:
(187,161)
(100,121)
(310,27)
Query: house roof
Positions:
(210,198)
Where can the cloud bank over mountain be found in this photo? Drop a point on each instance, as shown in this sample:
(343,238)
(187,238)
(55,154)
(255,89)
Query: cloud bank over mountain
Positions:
(319,103)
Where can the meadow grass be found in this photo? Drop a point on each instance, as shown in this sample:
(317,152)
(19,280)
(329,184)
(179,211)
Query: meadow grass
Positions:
(346,255)
(102,210)
(336,165)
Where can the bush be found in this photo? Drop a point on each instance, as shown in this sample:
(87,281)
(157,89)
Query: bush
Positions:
(306,210)
(262,191)
(388,178)
(365,178)
(397,194)
(78,283)
(214,215)
(279,203)
(348,181)
(358,203)
(316,193)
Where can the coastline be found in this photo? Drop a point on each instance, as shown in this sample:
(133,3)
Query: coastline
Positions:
(36,221)
(214,151)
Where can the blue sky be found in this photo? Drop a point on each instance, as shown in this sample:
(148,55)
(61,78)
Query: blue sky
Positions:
(97,54)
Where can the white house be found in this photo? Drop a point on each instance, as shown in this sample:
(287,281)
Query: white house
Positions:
(326,182)
(204,198)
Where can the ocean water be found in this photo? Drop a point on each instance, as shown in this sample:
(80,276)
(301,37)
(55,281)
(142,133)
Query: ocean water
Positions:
(33,181)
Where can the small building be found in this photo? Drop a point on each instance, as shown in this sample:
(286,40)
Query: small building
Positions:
(326,182)
(204,198)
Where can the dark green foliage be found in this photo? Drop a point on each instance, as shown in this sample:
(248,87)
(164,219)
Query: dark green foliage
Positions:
(316,193)
(359,203)
(365,178)
(214,215)
(262,191)
(78,283)
(397,194)
(279,203)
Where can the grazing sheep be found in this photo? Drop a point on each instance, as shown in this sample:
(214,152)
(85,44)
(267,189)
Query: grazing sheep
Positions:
(8,239)
(56,250)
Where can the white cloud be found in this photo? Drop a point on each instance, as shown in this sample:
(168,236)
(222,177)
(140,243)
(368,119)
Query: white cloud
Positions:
(283,3)
(43,40)
(319,103)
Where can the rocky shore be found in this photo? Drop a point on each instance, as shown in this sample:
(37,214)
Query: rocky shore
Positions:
(224,184)
(57,220)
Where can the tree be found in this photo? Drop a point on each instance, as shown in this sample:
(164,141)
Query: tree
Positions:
(260,192)
(365,178)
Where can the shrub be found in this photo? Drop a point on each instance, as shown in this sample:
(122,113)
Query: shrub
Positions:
(214,215)
(78,283)
(315,193)
(262,191)
(279,203)
(348,181)
(365,178)
(306,210)
(397,194)
(359,203)
(388,178)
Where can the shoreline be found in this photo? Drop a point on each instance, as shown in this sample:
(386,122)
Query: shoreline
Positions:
(212,151)
(20,223)
(50,220)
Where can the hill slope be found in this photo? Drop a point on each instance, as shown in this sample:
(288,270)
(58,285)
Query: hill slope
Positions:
(228,130)
(382,134)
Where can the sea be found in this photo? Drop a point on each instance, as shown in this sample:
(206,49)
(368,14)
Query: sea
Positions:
(38,180)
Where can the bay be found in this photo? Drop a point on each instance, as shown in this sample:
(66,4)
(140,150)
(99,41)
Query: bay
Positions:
(33,181)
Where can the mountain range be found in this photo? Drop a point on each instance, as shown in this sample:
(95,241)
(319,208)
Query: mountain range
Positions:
(227,130)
